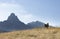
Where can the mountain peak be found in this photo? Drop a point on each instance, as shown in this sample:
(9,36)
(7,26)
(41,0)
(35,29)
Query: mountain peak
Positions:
(13,17)
(37,21)
(12,14)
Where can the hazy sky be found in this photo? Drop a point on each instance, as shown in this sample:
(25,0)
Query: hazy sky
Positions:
(32,10)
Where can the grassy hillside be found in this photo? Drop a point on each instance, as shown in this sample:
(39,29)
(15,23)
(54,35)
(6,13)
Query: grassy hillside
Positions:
(37,33)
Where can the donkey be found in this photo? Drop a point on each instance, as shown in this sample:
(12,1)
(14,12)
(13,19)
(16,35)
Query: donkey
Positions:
(47,25)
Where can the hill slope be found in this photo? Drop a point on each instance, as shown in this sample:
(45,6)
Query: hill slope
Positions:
(38,33)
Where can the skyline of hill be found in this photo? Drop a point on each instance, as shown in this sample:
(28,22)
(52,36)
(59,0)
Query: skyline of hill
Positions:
(13,23)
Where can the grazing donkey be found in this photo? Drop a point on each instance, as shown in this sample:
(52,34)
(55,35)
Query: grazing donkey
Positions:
(47,25)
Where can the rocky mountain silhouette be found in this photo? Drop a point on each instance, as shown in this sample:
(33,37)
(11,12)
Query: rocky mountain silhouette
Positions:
(36,24)
(13,23)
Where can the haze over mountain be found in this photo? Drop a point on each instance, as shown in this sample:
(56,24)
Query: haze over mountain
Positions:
(13,23)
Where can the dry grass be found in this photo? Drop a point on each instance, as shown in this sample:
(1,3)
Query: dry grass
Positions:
(38,33)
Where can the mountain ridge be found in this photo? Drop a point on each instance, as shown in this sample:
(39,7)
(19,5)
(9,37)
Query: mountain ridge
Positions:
(13,23)
(36,24)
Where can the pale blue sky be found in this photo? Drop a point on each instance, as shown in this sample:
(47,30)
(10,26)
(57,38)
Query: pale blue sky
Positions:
(32,10)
